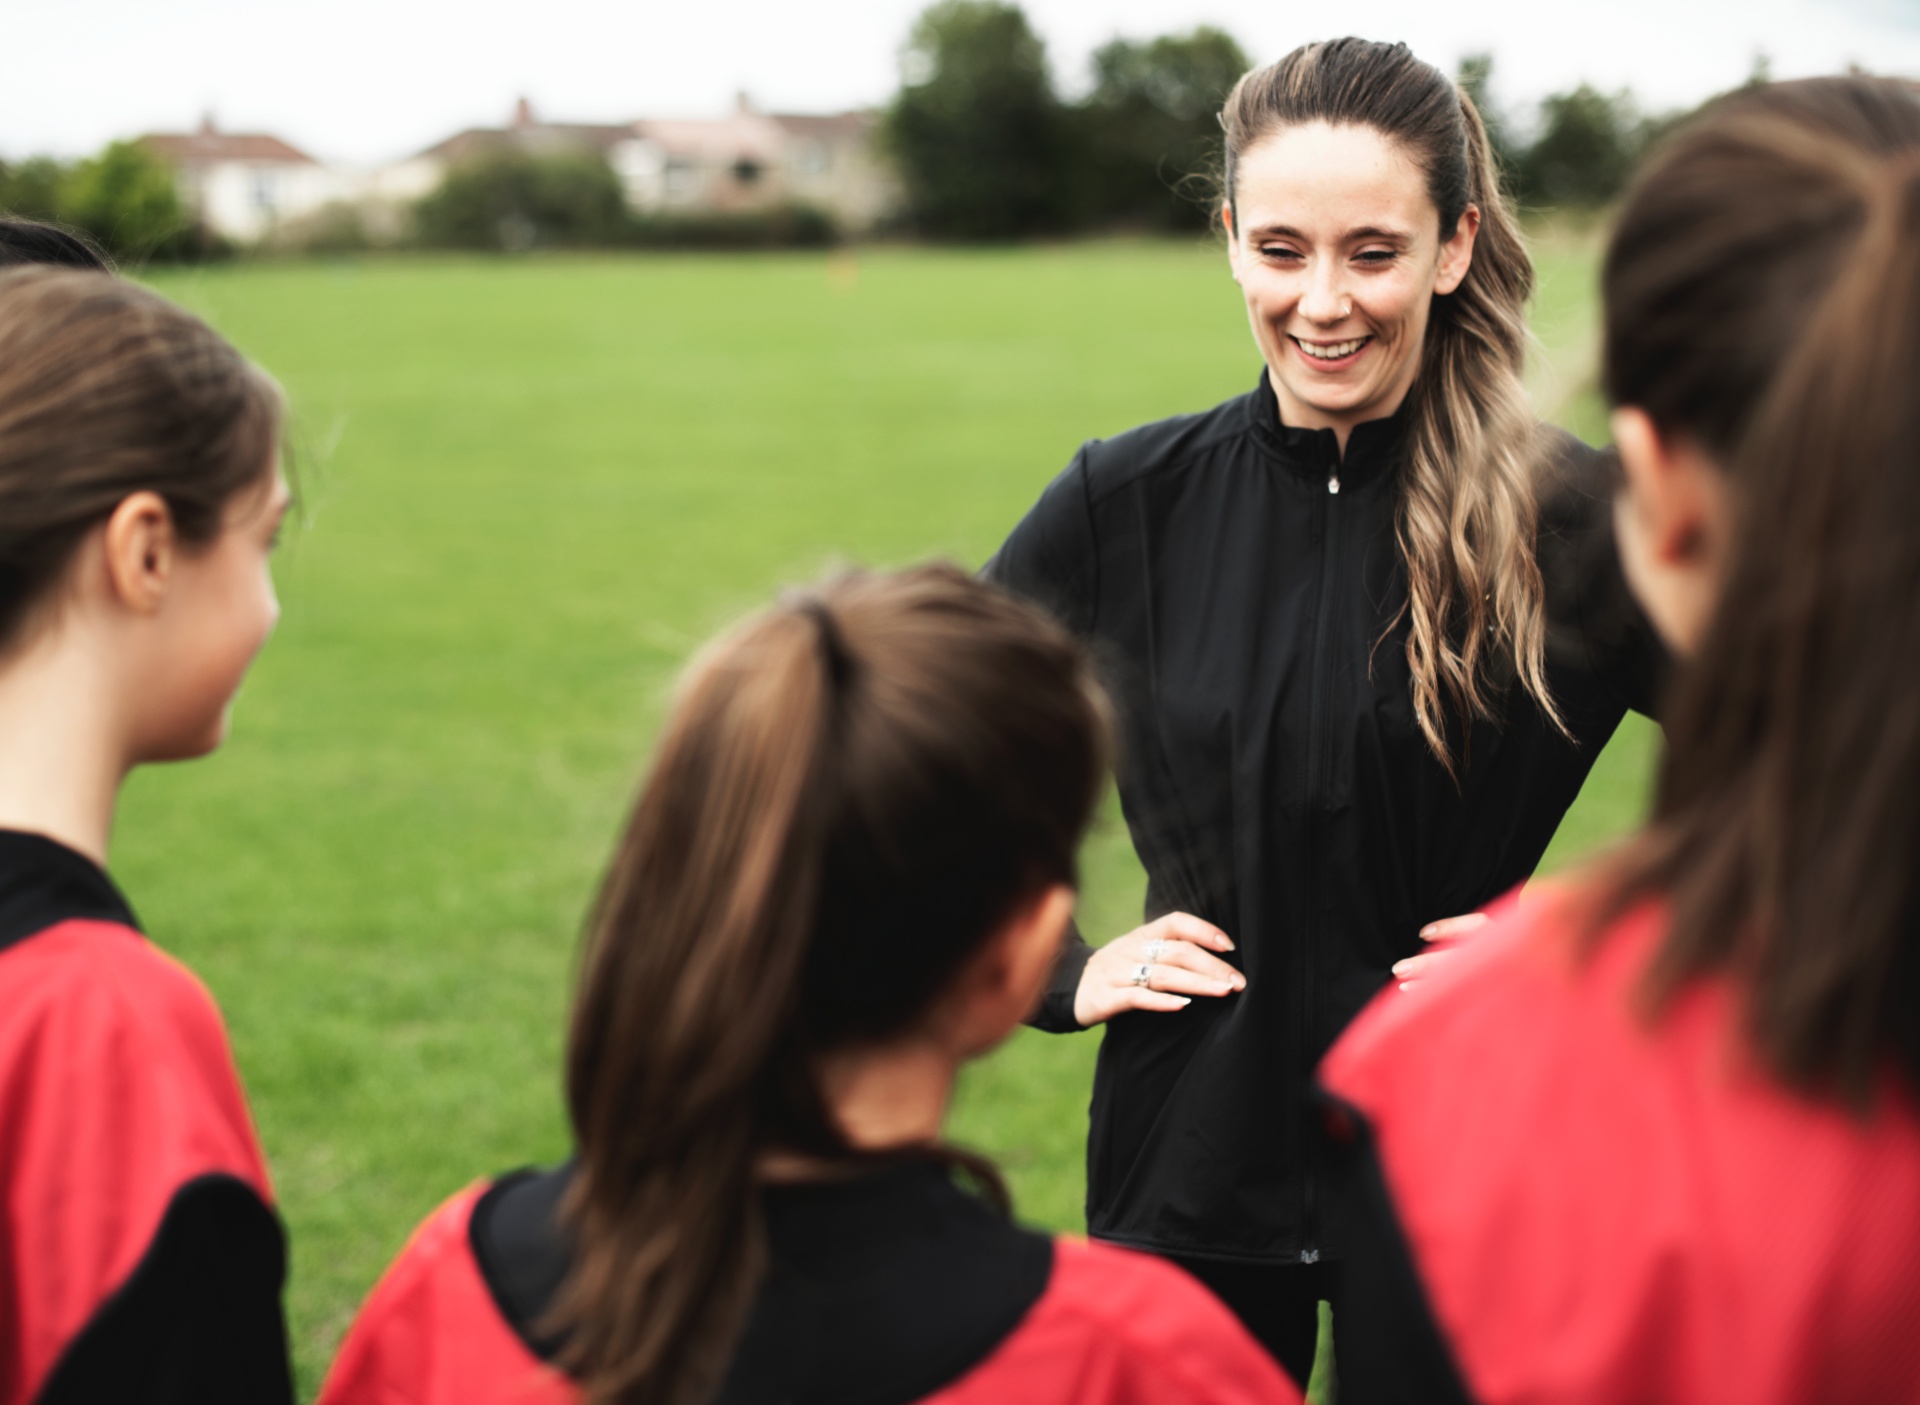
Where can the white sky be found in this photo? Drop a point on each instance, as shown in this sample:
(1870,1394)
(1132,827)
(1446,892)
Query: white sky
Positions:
(365,81)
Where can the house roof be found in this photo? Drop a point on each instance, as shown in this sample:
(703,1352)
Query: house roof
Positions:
(207,147)
(828,127)
(539,138)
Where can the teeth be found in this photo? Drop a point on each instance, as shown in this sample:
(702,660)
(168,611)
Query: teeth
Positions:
(1333,352)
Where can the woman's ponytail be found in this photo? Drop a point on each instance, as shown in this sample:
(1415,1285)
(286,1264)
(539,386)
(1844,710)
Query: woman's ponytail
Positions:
(853,790)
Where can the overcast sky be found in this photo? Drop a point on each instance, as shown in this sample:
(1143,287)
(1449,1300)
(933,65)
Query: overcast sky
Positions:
(364,81)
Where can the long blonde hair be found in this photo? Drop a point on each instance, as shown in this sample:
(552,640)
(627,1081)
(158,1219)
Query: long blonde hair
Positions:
(1467,514)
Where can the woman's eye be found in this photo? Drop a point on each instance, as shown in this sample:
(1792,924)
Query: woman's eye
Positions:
(1376,258)
(1279,251)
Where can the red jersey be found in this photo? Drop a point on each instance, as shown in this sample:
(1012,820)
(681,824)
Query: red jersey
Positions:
(896,1287)
(1565,1202)
(139,1256)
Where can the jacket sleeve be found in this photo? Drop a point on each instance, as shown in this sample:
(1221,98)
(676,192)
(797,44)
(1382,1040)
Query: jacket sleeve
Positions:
(146,1259)
(1593,621)
(1392,1350)
(1051,558)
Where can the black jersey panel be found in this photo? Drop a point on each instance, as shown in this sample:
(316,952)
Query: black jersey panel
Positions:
(199,1322)
(43,883)
(881,1289)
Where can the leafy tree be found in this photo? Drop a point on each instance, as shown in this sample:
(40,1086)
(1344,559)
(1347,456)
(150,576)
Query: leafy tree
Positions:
(32,188)
(126,198)
(1150,129)
(1586,150)
(518,202)
(1476,78)
(979,138)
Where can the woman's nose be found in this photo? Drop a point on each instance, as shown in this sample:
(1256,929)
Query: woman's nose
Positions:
(1324,299)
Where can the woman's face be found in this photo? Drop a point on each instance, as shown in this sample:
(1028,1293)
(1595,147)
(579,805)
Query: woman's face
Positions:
(1336,247)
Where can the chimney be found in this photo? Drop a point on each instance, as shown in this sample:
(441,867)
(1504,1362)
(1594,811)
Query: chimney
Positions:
(742,104)
(207,127)
(522,115)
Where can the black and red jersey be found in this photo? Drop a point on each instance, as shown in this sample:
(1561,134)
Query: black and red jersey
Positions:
(140,1258)
(889,1288)
(1561,1200)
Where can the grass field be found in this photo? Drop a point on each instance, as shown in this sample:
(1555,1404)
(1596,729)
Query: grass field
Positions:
(531,487)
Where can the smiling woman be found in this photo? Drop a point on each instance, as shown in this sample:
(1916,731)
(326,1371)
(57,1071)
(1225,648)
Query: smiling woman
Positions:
(1367,632)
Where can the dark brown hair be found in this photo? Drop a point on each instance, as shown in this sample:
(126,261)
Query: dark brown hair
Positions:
(1467,515)
(853,791)
(107,389)
(1763,301)
(25,241)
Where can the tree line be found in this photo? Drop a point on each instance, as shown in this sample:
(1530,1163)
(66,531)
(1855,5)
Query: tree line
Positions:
(985,147)
(988,149)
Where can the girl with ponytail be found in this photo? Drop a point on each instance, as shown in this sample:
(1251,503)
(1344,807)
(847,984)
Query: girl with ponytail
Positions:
(848,872)
(1367,632)
(1657,1137)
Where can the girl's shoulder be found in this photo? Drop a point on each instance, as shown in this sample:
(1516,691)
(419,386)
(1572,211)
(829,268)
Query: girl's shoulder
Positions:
(1115,1325)
(432,1331)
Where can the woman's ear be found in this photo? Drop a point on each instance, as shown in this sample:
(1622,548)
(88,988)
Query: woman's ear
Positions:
(140,548)
(1233,238)
(1456,255)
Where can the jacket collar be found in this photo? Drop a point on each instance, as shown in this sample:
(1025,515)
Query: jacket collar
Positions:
(1373,448)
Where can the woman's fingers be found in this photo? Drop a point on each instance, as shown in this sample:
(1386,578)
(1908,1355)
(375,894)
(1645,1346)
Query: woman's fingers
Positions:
(1184,957)
(1449,927)
(1160,966)
(1184,926)
(1416,967)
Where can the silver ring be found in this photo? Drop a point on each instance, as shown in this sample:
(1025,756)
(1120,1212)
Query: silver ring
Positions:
(1142,974)
(1153,951)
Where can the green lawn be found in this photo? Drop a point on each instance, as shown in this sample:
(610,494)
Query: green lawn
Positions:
(531,487)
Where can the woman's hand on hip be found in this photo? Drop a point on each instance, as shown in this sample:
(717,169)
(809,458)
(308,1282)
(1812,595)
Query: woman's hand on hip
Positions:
(1160,966)
(1449,930)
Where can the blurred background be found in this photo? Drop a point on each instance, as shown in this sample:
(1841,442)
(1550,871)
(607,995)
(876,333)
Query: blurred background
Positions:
(601,323)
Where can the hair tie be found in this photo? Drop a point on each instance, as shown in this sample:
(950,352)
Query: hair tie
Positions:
(833,645)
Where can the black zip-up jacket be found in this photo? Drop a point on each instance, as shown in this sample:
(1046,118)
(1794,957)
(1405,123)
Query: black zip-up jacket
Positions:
(1240,584)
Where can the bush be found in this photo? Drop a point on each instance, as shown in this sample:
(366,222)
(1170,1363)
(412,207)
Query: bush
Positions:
(517,202)
(777,227)
(127,199)
(979,138)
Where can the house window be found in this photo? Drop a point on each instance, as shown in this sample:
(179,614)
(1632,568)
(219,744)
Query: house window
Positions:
(680,176)
(811,158)
(746,170)
(264,191)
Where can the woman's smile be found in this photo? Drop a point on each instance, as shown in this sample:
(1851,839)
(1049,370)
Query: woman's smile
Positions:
(1326,357)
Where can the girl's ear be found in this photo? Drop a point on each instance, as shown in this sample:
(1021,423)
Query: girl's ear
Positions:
(1004,983)
(1456,255)
(140,549)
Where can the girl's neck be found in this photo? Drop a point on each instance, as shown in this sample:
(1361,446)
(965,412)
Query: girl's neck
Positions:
(62,747)
(887,1097)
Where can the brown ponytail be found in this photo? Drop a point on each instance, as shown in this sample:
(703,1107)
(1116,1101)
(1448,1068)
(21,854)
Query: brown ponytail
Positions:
(853,791)
(107,389)
(1467,516)
(1763,301)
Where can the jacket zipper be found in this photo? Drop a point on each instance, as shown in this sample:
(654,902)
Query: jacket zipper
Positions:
(1317,745)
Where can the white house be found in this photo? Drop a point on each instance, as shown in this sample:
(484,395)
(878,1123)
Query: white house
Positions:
(744,161)
(242,185)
